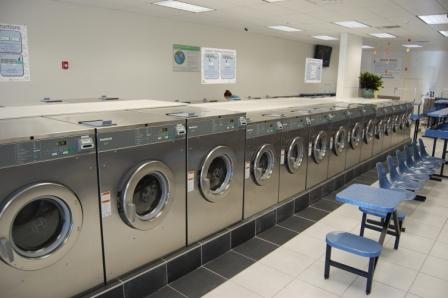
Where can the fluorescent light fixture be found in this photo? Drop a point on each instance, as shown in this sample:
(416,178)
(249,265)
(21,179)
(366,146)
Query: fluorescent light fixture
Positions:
(284,28)
(412,46)
(367,47)
(273,1)
(382,35)
(351,24)
(435,19)
(183,6)
(325,37)
(444,33)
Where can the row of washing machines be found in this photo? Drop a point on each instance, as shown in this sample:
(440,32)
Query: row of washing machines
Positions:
(87,198)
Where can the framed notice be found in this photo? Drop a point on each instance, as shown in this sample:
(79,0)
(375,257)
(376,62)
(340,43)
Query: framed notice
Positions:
(218,66)
(186,58)
(14,58)
(388,68)
(313,70)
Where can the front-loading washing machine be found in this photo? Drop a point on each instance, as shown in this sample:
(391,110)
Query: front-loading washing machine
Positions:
(388,128)
(50,237)
(318,145)
(294,154)
(262,160)
(141,169)
(379,131)
(215,168)
(339,127)
(407,120)
(368,131)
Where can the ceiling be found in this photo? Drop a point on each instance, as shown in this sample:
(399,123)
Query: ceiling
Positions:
(314,17)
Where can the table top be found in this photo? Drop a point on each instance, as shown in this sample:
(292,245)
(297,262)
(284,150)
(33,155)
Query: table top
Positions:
(380,199)
(441,132)
(439,113)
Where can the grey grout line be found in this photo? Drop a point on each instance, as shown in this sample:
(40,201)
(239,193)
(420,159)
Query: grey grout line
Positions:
(286,228)
(256,236)
(243,255)
(314,221)
(208,269)
(174,289)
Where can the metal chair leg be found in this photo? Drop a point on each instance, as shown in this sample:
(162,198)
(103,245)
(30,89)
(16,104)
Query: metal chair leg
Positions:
(327,262)
(363,224)
(370,275)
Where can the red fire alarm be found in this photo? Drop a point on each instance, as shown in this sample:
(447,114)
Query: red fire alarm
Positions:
(64,64)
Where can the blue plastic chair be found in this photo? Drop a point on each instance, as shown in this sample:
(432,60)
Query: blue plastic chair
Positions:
(402,181)
(424,154)
(412,165)
(404,170)
(420,161)
(384,182)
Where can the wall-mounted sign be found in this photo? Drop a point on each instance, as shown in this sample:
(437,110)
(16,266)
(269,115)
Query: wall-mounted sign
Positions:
(388,68)
(186,58)
(218,66)
(313,70)
(14,58)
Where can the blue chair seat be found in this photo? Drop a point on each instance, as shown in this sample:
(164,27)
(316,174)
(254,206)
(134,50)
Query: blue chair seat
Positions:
(354,244)
(400,214)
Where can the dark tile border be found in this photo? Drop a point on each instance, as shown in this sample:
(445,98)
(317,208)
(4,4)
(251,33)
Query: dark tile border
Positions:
(234,238)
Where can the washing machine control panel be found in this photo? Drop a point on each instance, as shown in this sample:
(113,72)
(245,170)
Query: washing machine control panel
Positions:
(38,150)
(263,128)
(180,130)
(206,126)
(296,123)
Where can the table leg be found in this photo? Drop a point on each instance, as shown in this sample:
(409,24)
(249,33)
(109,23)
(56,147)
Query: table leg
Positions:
(416,128)
(397,229)
(434,147)
(385,228)
(443,156)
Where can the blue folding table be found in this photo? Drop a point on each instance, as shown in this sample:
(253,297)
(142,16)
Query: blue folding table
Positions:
(438,129)
(374,198)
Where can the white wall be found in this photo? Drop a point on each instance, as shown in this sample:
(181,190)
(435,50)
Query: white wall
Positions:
(129,55)
(349,65)
(426,70)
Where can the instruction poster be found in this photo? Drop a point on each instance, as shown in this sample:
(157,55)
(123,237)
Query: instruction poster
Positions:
(313,70)
(14,59)
(186,58)
(218,66)
(388,68)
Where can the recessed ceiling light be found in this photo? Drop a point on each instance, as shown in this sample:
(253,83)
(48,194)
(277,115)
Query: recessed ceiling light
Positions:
(382,35)
(351,24)
(325,37)
(412,46)
(444,33)
(183,6)
(284,28)
(367,47)
(435,19)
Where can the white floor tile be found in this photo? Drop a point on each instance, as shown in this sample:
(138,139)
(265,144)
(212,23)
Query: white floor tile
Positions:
(318,231)
(394,275)
(340,223)
(231,289)
(338,282)
(440,250)
(379,290)
(443,237)
(262,279)
(413,242)
(301,289)
(307,245)
(436,267)
(404,257)
(421,228)
(287,261)
(429,287)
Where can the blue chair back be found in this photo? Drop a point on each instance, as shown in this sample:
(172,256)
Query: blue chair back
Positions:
(394,175)
(382,176)
(423,151)
(401,157)
(409,160)
(417,156)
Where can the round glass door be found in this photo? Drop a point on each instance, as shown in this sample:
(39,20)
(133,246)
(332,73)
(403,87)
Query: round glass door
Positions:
(263,164)
(39,224)
(379,129)
(295,155)
(408,119)
(356,136)
(368,136)
(396,123)
(217,173)
(147,195)
(340,140)
(320,147)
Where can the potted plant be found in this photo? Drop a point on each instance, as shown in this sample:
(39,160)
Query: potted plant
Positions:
(369,84)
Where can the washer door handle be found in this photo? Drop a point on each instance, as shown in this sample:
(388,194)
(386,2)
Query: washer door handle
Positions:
(6,252)
(131,211)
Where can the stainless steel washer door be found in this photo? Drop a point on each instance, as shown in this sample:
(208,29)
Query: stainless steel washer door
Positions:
(396,123)
(39,224)
(369,132)
(356,136)
(295,155)
(263,164)
(320,147)
(340,139)
(217,173)
(147,195)
(388,126)
(379,130)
